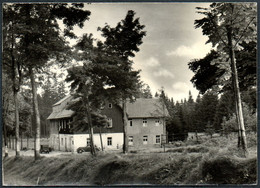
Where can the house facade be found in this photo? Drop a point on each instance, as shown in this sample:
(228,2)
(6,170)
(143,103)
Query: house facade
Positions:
(146,124)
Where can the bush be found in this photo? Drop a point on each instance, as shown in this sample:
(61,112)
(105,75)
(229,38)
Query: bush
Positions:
(250,121)
(197,149)
(251,139)
(176,150)
(229,170)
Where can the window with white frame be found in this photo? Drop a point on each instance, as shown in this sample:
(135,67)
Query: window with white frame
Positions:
(110,105)
(88,141)
(110,123)
(130,122)
(144,122)
(130,140)
(109,141)
(145,139)
(158,139)
(61,141)
(157,122)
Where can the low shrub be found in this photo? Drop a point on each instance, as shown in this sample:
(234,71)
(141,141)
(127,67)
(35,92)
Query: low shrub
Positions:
(178,143)
(229,170)
(197,149)
(111,172)
(251,140)
(176,150)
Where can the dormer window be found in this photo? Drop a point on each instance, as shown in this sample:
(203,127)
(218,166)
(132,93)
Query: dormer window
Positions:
(110,105)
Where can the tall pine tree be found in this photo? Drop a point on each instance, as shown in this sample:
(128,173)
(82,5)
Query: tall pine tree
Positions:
(123,41)
(227,25)
(38,35)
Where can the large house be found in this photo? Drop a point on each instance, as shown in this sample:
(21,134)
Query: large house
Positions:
(146,125)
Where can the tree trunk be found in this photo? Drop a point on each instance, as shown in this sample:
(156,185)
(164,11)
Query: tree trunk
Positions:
(16,87)
(125,119)
(17,148)
(36,115)
(92,145)
(238,124)
(59,141)
(101,142)
(21,141)
(90,128)
(5,141)
(196,135)
(10,144)
(27,142)
(238,101)
(13,142)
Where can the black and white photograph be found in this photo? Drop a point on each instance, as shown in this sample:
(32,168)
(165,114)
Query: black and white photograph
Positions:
(129,94)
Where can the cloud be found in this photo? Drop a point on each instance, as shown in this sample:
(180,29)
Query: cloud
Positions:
(147,64)
(180,86)
(152,62)
(163,73)
(198,50)
(181,91)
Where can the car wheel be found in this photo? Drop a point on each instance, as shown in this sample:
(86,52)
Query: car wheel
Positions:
(80,151)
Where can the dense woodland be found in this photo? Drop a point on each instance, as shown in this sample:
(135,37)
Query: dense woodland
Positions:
(30,56)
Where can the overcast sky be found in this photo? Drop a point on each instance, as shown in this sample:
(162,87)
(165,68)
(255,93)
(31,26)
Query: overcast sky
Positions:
(170,43)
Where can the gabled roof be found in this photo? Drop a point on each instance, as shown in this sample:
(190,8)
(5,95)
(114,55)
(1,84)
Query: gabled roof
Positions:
(140,108)
(146,108)
(62,114)
(63,99)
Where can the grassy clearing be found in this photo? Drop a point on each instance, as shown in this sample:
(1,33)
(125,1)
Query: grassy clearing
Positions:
(214,161)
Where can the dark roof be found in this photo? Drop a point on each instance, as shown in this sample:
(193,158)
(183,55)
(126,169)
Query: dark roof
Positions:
(62,114)
(146,108)
(140,108)
(63,99)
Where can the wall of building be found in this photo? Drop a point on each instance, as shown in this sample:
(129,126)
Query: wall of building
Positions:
(54,142)
(80,140)
(54,126)
(70,142)
(151,130)
(116,114)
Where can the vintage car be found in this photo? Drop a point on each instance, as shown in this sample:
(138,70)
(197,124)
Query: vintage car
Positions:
(86,149)
(45,149)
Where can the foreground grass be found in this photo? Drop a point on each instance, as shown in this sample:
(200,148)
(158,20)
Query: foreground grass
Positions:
(191,164)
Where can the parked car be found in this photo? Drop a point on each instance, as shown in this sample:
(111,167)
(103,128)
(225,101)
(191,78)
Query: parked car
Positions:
(45,149)
(86,149)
